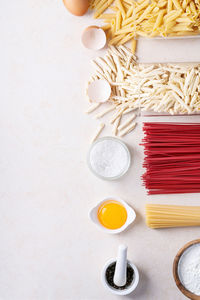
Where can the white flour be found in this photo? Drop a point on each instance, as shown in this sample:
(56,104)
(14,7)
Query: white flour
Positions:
(109,158)
(189,269)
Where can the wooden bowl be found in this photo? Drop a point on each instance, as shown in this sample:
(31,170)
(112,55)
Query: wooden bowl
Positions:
(175,271)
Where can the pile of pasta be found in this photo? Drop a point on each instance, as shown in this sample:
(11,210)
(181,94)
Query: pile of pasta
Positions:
(170,88)
(128,19)
(164,216)
(159,88)
(124,101)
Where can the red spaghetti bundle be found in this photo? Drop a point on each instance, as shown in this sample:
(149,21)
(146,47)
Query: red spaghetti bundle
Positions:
(172,158)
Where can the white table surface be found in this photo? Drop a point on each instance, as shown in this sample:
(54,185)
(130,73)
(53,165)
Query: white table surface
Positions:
(49,249)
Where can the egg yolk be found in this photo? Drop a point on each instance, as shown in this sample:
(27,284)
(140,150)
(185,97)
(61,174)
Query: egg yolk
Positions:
(112,214)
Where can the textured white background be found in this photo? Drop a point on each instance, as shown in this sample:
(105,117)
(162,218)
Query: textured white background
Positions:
(49,250)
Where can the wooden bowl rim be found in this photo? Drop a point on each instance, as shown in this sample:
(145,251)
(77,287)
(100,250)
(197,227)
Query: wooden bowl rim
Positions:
(180,286)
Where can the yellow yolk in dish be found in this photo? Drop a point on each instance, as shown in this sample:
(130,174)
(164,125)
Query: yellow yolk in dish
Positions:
(112,214)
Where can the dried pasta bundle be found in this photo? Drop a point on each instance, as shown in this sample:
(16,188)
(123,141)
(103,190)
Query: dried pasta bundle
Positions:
(164,216)
(160,88)
(172,158)
(129,19)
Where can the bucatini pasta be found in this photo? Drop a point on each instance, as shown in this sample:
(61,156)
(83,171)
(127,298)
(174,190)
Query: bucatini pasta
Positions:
(131,18)
(163,216)
(160,88)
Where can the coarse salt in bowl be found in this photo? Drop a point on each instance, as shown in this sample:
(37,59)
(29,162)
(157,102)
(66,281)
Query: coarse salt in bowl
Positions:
(109,158)
(186,269)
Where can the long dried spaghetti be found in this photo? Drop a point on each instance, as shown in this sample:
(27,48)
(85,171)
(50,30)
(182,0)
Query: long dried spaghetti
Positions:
(163,216)
(172,158)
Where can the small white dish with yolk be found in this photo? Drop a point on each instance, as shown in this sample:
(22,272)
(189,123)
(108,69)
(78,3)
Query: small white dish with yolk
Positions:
(114,217)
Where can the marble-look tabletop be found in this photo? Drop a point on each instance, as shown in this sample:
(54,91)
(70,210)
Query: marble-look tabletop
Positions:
(49,248)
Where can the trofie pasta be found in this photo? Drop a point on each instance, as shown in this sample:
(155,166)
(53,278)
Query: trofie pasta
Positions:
(163,216)
(160,88)
(111,67)
(130,18)
(98,131)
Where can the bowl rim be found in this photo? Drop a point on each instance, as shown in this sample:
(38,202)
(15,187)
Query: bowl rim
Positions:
(118,141)
(129,220)
(178,282)
(127,291)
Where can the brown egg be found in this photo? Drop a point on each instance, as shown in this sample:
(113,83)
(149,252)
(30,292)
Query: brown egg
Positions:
(77,7)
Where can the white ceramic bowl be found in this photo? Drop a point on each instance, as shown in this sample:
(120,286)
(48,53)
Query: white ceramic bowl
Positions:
(126,168)
(130,216)
(126,291)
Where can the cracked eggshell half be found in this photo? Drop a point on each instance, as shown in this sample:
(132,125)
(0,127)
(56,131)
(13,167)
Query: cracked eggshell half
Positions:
(99,90)
(94,38)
